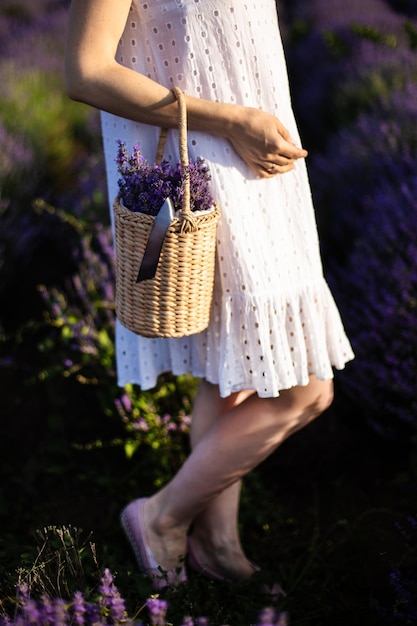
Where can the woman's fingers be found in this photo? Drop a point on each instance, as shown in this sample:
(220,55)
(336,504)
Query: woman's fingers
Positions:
(264,143)
(286,151)
(277,164)
(270,170)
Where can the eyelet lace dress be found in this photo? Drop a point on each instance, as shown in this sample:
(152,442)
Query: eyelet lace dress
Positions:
(274,321)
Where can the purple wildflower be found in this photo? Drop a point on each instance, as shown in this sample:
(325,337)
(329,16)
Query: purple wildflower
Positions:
(22,591)
(157,611)
(79,608)
(60,612)
(144,188)
(269,617)
(184,423)
(106,583)
(31,611)
(16,155)
(118,608)
(110,599)
(201,199)
(383,312)
(93,614)
(140,424)
(126,402)
(266,617)
(47,610)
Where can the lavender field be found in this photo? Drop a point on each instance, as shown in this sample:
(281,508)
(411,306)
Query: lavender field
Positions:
(332,515)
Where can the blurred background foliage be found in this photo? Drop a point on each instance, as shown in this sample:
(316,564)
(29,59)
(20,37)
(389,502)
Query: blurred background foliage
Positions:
(332,514)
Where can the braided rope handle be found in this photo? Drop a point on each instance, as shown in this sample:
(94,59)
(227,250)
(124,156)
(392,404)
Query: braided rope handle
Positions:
(186,213)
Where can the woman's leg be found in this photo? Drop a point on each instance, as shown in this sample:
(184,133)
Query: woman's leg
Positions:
(235,443)
(215,530)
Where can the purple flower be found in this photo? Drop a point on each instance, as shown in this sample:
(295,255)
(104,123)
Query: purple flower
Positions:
(93,614)
(117,608)
(144,188)
(47,610)
(60,612)
(269,617)
(110,599)
(106,583)
(31,611)
(382,312)
(22,591)
(79,608)
(157,611)
(140,424)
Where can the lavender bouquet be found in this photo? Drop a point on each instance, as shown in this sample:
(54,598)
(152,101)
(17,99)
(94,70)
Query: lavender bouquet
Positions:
(144,188)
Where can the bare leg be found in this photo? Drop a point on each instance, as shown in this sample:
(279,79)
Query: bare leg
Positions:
(215,529)
(236,443)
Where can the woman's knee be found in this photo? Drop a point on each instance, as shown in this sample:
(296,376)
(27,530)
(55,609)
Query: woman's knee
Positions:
(320,398)
(306,403)
(326,396)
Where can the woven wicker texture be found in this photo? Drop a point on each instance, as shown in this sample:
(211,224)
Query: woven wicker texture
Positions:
(177,301)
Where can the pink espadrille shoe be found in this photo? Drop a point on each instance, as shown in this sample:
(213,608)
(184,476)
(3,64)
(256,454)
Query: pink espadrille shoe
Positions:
(132,522)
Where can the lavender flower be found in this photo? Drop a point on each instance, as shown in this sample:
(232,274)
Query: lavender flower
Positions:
(144,187)
(381,313)
(110,601)
(362,50)
(93,614)
(140,424)
(269,617)
(47,610)
(107,610)
(157,611)
(60,612)
(31,611)
(22,592)
(79,608)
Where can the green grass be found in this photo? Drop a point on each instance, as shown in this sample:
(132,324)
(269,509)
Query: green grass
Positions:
(319,516)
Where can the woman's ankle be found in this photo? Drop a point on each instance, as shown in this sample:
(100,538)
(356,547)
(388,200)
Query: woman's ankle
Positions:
(226,560)
(216,539)
(163,522)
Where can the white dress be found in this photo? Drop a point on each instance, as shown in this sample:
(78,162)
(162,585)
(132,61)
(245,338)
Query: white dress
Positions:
(274,321)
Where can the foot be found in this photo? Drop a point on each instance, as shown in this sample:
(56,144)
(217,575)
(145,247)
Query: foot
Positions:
(167,537)
(225,564)
(169,572)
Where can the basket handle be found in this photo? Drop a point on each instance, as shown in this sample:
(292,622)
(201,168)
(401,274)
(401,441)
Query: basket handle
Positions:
(188,220)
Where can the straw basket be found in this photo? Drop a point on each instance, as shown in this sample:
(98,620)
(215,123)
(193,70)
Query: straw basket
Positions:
(176,302)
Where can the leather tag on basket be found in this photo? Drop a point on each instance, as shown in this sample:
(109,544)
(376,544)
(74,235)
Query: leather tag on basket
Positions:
(154,244)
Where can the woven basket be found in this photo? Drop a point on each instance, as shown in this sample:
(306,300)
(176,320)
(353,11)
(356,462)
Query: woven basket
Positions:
(177,301)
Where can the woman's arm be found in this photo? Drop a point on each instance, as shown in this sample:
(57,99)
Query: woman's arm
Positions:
(94,76)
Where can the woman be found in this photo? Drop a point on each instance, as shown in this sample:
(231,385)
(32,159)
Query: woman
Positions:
(275,333)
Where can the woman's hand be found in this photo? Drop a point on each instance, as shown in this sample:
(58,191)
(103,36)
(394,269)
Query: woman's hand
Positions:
(264,143)
(94,76)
